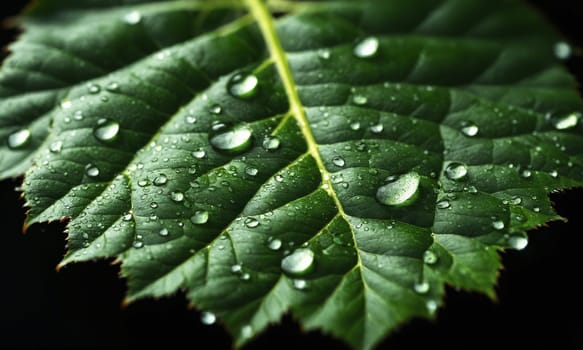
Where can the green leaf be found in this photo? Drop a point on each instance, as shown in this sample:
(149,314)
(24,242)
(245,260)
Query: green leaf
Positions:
(343,160)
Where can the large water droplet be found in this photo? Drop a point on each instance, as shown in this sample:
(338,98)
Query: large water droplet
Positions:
(177,196)
(106,130)
(299,262)
(200,217)
(160,180)
(562,50)
(19,139)
(91,170)
(421,287)
(401,191)
(231,139)
(133,17)
(566,122)
(164,232)
(243,86)
(517,242)
(456,171)
(367,47)
(469,129)
(208,318)
(377,128)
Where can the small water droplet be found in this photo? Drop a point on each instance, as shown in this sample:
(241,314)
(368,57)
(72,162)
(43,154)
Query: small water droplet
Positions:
(236,268)
(554,173)
(274,244)
(243,85)
(112,87)
(429,257)
(133,17)
(94,88)
(251,171)
(143,183)
(160,180)
(443,204)
(562,50)
(66,104)
(200,217)
(515,200)
(231,139)
(299,262)
(469,129)
(567,121)
(164,232)
(271,143)
(128,216)
(525,173)
(498,225)
(190,119)
(431,306)
(245,276)
(106,130)
(377,128)
(138,244)
(279,178)
(251,222)
(456,171)
(517,242)
(401,191)
(56,147)
(421,287)
(91,170)
(153,205)
(177,196)
(359,100)
(215,109)
(199,154)
(338,161)
(19,139)
(207,318)
(246,331)
(324,54)
(355,126)
(300,284)
(366,47)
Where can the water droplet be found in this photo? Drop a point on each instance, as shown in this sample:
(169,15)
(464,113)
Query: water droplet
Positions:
(190,119)
(300,284)
(231,139)
(567,121)
(338,161)
(94,88)
(106,130)
(377,128)
(367,47)
(133,17)
(243,86)
(355,126)
(251,222)
(271,143)
(525,173)
(138,244)
(279,178)
(199,154)
(429,257)
(128,216)
(143,183)
(56,147)
(275,244)
(402,191)
(456,171)
(517,242)
(112,87)
(200,217)
(431,306)
(246,331)
(562,50)
(177,196)
(251,171)
(91,170)
(516,200)
(299,262)
(207,318)
(160,180)
(554,173)
(236,268)
(324,54)
(215,109)
(245,276)
(66,104)
(164,232)
(443,204)
(498,225)
(359,100)
(19,139)
(469,129)
(421,287)
(153,205)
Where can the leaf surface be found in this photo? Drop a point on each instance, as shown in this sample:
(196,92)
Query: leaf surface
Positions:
(343,160)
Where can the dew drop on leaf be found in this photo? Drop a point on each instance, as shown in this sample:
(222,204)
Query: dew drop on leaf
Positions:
(164,232)
(200,217)
(338,161)
(243,85)
(469,129)
(19,139)
(207,318)
(215,109)
(274,244)
(106,130)
(517,242)
(94,88)
(177,196)
(498,224)
(230,139)
(112,87)
(251,171)
(271,143)
(456,171)
(401,191)
(133,17)
(359,100)
(421,287)
(566,122)
(324,54)
(562,50)
(91,170)
(160,180)
(56,147)
(377,128)
(138,244)
(355,126)
(367,47)
(429,257)
(251,222)
(299,262)
(236,268)
(300,284)
(525,173)
(199,154)
(443,204)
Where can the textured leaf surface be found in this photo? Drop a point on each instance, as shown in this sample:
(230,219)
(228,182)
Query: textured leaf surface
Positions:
(343,161)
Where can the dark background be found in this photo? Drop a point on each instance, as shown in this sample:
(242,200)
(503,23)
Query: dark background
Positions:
(540,300)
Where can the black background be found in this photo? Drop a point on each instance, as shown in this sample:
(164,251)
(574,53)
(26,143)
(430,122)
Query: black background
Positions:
(540,299)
